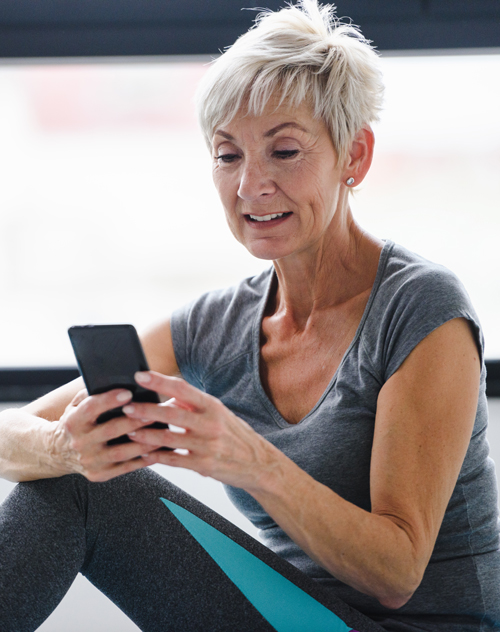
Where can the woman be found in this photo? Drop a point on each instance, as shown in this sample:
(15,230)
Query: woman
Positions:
(340,397)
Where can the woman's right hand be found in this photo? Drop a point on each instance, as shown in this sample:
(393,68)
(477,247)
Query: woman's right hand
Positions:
(79,445)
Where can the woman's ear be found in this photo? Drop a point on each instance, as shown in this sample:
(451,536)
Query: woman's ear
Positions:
(360,157)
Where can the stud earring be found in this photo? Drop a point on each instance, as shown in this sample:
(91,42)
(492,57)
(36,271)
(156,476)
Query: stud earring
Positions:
(349,181)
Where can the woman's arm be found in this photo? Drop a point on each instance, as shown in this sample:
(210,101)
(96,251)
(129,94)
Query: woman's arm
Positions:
(32,448)
(424,421)
(25,435)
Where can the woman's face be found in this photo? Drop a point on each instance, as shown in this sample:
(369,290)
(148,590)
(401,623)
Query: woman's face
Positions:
(278,180)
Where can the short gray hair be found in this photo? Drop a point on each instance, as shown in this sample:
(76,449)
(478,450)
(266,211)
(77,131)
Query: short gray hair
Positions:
(301,53)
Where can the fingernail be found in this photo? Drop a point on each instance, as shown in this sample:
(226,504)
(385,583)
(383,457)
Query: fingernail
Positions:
(123,396)
(128,410)
(142,377)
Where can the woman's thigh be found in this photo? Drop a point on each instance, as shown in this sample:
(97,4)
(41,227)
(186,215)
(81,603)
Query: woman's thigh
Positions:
(169,562)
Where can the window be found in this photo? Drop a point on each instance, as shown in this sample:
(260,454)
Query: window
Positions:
(108,213)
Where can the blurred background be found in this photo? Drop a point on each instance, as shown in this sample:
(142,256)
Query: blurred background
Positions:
(108,212)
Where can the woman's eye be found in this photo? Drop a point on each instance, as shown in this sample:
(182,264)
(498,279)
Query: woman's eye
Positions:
(286,153)
(227,158)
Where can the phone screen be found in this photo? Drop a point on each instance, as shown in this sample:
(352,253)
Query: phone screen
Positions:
(108,356)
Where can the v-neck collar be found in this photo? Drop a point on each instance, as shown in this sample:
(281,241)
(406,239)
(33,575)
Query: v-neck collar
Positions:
(280,420)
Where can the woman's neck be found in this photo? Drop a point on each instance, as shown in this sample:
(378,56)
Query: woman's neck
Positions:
(338,269)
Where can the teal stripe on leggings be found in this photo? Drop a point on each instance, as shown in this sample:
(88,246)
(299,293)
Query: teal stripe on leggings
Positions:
(285,606)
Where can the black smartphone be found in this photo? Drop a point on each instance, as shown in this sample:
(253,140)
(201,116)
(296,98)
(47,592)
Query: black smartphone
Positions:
(108,356)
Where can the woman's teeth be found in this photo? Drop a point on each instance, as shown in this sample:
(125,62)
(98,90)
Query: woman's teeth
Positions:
(266,218)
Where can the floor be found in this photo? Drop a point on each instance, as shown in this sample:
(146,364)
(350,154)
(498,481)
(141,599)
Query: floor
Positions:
(84,608)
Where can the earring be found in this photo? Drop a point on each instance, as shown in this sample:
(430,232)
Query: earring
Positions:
(349,181)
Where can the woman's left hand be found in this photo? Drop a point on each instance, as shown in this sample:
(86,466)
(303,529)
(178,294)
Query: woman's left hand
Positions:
(217,442)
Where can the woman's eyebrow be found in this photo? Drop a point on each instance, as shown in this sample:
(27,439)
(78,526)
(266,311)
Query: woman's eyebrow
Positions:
(269,133)
(219,132)
(281,126)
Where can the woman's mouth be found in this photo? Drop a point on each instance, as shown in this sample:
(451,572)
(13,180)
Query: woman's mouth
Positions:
(266,220)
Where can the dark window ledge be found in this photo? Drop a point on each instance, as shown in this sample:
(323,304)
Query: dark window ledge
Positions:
(25,385)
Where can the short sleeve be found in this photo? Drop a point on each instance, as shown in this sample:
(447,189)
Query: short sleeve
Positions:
(217,327)
(181,326)
(415,298)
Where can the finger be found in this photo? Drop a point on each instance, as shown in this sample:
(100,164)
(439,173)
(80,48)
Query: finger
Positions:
(167,413)
(91,407)
(174,459)
(178,459)
(162,437)
(106,474)
(79,397)
(173,387)
(116,427)
(122,452)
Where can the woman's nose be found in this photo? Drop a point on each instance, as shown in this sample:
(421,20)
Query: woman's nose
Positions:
(255,181)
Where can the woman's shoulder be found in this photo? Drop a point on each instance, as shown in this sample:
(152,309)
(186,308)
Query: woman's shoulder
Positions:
(406,270)
(411,282)
(217,326)
(225,306)
(414,296)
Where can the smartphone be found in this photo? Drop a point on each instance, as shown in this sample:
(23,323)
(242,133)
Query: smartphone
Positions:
(108,356)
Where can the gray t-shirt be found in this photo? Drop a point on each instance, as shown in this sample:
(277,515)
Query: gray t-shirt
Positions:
(216,342)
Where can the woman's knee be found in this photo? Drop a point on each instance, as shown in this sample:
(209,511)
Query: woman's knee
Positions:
(48,495)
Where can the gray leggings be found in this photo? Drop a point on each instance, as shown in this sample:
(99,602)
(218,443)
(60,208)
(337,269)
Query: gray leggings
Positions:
(151,561)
